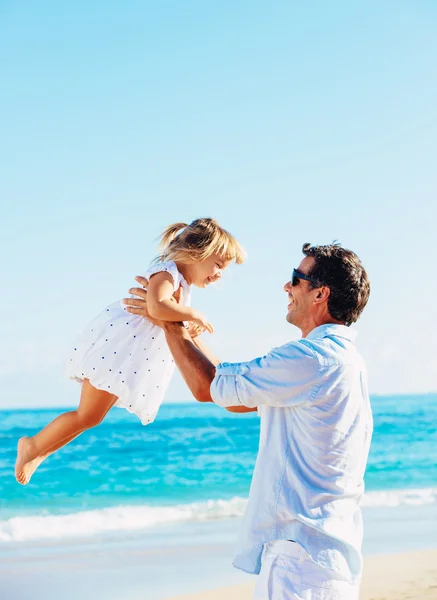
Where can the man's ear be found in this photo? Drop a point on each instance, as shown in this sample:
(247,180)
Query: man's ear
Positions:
(322,295)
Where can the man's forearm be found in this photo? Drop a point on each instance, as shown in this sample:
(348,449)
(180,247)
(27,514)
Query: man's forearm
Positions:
(206,351)
(196,369)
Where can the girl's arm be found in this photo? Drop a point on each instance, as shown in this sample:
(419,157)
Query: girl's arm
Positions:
(163,306)
(196,366)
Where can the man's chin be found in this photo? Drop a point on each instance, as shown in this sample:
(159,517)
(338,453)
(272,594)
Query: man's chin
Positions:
(291,318)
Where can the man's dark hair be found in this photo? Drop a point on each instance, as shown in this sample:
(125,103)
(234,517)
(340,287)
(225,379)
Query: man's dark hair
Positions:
(341,270)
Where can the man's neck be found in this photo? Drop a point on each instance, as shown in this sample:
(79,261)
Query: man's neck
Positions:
(307,328)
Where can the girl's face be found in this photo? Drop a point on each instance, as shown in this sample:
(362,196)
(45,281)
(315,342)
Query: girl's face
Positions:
(204,272)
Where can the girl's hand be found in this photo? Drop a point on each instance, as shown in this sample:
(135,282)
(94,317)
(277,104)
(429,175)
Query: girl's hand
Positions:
(193,329)
(202,323)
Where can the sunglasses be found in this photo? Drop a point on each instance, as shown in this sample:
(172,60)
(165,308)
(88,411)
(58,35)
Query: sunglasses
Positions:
(296,275)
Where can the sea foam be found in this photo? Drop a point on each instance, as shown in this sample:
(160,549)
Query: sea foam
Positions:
(91,523)
(120,518)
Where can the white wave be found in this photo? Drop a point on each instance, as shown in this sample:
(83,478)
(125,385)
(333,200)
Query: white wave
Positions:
(121,518)
(393,498)
(91,523)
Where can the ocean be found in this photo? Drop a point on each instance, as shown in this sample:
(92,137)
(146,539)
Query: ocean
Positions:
(194,462)
(183,481)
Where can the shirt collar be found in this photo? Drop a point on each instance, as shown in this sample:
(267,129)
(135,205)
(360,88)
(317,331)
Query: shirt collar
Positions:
(334,330)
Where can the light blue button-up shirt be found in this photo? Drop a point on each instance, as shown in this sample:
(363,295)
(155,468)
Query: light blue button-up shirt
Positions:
(316,427)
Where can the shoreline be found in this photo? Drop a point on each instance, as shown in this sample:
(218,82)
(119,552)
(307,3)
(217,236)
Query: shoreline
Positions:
(191,573)
(398,576)
(186,563)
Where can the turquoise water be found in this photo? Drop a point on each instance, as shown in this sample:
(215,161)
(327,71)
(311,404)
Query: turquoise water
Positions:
(193,464)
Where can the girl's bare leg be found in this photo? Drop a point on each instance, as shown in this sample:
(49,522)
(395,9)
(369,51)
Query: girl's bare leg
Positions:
(32,466)
(93,407)
(53,449)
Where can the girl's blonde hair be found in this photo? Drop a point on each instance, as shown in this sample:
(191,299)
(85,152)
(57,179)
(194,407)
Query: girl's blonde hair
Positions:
(197,241)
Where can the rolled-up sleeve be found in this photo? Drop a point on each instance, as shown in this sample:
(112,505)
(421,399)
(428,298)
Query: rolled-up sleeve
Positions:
(287,376)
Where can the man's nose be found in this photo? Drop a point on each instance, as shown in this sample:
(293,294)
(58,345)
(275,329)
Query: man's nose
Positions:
(287,286)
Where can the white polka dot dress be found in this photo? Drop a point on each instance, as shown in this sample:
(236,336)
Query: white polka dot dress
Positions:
(127,355)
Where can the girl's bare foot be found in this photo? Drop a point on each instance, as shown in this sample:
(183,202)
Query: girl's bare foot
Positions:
(25,466)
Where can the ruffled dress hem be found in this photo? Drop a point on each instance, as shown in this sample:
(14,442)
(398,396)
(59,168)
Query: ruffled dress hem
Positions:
(122,402)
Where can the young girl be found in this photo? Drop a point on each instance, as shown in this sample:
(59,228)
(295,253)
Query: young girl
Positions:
(123,359)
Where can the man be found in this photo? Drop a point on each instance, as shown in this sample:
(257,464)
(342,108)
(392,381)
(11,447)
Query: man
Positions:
(302,530)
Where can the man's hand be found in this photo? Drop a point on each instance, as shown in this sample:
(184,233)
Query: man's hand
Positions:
(194,360)
(196,368)
(138,305)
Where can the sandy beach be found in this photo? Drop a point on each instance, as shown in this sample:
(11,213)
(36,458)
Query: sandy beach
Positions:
(195,564)
(406,576)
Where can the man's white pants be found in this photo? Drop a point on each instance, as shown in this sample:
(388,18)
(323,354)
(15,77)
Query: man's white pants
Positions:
(289,573)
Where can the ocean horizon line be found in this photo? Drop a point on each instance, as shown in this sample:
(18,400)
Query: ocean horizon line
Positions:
(192,401)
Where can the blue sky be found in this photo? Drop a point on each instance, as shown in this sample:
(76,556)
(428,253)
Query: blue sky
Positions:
(288,122)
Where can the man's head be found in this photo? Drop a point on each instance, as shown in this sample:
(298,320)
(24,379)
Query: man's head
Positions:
(329,286)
